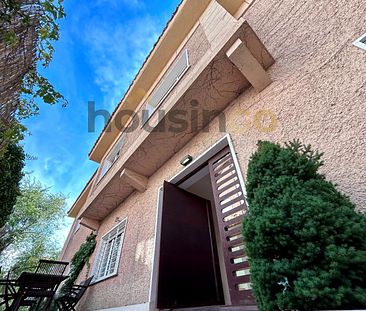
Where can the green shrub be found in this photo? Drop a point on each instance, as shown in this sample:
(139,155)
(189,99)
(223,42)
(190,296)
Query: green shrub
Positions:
(305,240)
(11,166)
(80,259)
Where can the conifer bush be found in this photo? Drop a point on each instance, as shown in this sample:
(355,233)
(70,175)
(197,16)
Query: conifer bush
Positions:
(305,240)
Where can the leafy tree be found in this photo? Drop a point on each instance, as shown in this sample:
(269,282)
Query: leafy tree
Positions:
(27,260)
(10,133)
(305,240)
(30,230)
(11,166)
(42,16)
(45,15)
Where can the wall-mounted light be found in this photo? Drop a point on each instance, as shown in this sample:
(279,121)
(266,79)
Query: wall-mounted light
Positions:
(186,160)
(361,42)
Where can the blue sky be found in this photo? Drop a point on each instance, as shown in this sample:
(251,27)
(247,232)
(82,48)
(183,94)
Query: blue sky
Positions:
(103,44)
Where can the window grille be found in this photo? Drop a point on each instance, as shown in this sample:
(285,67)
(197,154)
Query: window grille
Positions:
(107,260)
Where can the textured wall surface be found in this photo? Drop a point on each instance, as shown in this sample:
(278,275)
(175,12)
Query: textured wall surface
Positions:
(319,89)
(317,95)
(74,240)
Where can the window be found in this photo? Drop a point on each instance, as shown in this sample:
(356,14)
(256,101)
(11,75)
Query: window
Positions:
(112,157)
(77,227)
(361,42)
(149,109)
(107,260)
(167,83)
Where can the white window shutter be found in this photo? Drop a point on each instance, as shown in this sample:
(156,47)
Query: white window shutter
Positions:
(107,260)
(112,156)
(116,151)
(170,79)
(97,260)
(113,266)
(149,109)
(166,84)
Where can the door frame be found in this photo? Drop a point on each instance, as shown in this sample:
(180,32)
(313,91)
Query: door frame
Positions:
(178,178)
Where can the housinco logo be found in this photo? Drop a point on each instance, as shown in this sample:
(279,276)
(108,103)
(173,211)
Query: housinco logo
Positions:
(191,119)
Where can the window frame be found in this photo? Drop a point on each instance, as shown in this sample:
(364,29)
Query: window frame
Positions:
(121,140)
(77,226)
(100,252)
(148,109)
(361,42)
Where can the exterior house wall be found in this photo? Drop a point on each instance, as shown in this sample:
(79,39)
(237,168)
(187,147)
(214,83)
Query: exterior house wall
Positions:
(197,46)
(319,89)
(317,95)
(73,242)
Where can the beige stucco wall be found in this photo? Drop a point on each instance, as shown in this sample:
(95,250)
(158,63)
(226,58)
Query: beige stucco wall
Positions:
(75,238)
(317,95)
(319,78)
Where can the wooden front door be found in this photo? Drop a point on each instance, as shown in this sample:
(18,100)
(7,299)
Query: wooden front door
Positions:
(230,210)
(189,273)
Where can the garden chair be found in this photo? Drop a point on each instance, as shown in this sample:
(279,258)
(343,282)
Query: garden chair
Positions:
(32,289)
(8,291)
(68,300)
(51,267)
(41,291)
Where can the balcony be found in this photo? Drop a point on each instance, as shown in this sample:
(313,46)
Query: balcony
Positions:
(225,59)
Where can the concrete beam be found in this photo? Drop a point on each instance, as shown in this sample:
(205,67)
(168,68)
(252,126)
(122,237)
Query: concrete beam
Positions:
(134,179)
(231,6)
(244,7)
(90,223)
(249,66)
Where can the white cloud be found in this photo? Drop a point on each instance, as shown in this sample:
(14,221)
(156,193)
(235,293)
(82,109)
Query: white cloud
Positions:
(115,49)
(117,52)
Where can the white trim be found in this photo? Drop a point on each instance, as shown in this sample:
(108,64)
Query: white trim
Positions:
(137,307)
(361,42)
(155,265)
(237,166)
(196,177)
(119,253)
(201,160)
(116,148)
(77,227)
(204,157)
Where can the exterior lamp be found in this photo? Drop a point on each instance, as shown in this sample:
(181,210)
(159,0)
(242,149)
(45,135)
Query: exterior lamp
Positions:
(186,160)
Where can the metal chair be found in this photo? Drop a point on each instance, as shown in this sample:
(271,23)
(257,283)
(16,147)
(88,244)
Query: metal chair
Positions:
(46,289)
(8,292)
(51,267)
(70,299)
(33,289)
